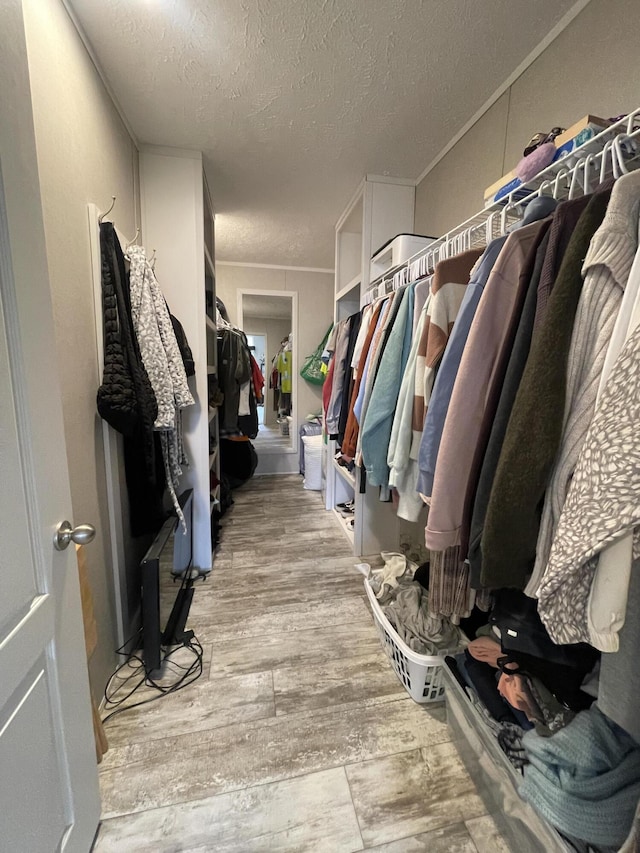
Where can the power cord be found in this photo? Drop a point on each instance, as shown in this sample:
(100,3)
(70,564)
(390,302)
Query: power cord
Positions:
(187,674)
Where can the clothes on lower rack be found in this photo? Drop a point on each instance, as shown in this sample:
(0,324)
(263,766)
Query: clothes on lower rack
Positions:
(585,780)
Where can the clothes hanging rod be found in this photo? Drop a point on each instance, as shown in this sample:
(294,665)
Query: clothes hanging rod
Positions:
(613,151)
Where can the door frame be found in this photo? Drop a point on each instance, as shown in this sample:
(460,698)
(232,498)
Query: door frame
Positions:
(293,296)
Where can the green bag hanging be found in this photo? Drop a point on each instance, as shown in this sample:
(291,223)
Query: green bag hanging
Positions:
(314,370)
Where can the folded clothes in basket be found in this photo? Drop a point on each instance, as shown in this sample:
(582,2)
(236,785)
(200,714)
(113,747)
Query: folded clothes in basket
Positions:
(409,614)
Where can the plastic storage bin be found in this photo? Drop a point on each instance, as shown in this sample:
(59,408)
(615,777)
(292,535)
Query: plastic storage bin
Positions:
(421,675)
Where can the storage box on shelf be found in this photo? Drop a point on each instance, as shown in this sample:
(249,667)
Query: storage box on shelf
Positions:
(397,251)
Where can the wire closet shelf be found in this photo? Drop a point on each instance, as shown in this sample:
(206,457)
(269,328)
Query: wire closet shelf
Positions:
(612,153)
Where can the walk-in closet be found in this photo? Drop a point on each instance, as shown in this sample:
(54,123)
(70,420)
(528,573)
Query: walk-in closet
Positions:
(319,343)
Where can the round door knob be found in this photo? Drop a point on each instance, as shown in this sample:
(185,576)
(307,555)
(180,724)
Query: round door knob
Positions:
(65,533)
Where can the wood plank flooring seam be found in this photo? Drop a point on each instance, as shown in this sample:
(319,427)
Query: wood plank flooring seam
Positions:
(234,790)
(355,811)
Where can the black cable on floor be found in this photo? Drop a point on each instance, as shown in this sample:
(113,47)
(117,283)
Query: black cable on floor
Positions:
(187,674)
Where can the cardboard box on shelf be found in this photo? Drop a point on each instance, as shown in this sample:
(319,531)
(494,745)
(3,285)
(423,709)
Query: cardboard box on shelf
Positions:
(578,134)
(575,136)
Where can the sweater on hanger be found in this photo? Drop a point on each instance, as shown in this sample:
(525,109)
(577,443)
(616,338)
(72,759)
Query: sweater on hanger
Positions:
(517,361)
(376,428)
(533,433)
(483,355)
(605,271)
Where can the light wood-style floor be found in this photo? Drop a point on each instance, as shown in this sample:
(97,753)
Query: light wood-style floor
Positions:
(298,737)
(270,438)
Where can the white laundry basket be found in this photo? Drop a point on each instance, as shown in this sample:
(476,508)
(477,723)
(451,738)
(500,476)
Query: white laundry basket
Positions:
(312,462)
(421,675)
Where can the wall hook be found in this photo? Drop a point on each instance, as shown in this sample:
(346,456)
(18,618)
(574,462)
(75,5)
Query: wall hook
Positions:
(107,212)
(135,239)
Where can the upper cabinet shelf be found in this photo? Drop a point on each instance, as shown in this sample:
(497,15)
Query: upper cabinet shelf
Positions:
(380,208)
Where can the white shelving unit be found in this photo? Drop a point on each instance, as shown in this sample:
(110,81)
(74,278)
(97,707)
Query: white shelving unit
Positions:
(381,208)
(177,220)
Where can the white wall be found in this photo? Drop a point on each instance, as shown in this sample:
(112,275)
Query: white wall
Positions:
(315,311)
(592,67)
(85,154)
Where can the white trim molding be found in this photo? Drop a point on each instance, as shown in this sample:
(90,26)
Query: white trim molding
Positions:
(273,267)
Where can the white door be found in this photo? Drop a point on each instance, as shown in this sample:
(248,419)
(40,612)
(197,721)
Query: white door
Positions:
(49,799)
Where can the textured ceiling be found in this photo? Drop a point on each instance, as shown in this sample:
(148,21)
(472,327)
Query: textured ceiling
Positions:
(294,101)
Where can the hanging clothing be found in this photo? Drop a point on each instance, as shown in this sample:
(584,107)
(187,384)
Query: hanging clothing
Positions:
(400,442)
(126,399)
(605,271)
(163,362)
(482,358)
(376,428)
(603,504)
(448,371)
(496,386)
(378,345)
(564,223)
(449,285)
(258,380)
(420,295)
(512,519)
(339,369)
(443,387)
(157,340)
(350,440)
(234,375)
(363,334)
(348,380)
(512,379)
